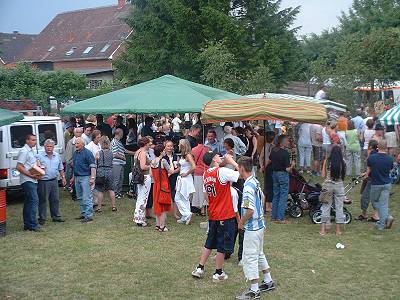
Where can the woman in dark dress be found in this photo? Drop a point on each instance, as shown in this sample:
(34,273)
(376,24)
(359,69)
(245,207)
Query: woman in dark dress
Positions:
(104,176)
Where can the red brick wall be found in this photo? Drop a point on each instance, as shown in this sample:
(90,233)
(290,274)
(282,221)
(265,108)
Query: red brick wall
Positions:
(82,64)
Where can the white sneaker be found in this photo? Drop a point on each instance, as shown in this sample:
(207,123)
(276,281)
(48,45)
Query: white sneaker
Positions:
(220,278)
(240,264)
(181,221)
(198,273)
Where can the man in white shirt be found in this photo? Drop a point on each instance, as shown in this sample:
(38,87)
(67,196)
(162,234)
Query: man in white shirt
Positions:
(87,133)
(176,123)
(94,145)
(321,94)
(305,147)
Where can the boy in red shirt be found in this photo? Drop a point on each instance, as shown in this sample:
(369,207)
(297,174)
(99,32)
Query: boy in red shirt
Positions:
(222,216)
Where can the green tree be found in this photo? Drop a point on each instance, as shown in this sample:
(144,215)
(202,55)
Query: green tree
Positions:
(172,36)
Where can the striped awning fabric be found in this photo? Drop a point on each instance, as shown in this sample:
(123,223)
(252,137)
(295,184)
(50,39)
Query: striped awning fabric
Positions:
(327,103)
(391,117)
(263,109)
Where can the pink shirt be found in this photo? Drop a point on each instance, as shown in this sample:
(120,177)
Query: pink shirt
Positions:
(198,153)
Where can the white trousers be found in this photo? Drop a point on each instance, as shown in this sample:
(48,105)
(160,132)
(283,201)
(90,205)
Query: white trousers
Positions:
(198,199)
(254,260)
(183,205)
(143,194)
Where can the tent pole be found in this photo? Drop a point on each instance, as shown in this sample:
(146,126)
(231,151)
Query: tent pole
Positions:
(137,125)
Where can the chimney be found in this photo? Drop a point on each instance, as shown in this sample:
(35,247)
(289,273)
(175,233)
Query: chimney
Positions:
(121,3)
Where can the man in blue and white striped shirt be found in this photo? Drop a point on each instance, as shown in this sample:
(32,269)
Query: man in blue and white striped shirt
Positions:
(252,222)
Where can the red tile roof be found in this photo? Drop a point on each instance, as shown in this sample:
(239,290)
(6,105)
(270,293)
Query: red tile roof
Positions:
(12,44)
(75,31)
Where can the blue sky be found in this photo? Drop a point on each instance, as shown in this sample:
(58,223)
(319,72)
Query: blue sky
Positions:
(32,16)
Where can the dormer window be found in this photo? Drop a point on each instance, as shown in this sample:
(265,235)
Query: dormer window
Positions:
(70,52)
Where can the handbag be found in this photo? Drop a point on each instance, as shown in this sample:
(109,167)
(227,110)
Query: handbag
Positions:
(326,193)
(166,199)
(100,180)
(137,174)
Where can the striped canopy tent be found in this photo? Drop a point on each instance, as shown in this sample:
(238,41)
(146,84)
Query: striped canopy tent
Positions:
(327,103)
(391,117)
(261,109)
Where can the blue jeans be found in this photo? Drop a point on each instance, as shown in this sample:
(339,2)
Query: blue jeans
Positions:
(82,186)
(380,198)
(31,203)
(280,189)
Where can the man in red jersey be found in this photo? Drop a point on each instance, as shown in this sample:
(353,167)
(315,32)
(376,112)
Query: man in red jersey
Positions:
(221,214)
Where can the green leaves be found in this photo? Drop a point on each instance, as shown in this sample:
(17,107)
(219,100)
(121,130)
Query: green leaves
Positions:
(226,44)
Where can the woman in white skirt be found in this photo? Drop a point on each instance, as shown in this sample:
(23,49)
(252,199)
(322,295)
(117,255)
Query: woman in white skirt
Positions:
(184,184)
(141,159)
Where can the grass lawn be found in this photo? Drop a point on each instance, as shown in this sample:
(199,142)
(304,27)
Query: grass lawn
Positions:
(111,258)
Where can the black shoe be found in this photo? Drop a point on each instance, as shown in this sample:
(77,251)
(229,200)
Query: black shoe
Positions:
(249,295)
(36,229)
(87,220)
(80,218)
(41,222)
(59,220)
(265,287)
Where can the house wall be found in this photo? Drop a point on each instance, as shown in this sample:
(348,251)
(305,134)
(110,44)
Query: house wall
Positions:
(82,64)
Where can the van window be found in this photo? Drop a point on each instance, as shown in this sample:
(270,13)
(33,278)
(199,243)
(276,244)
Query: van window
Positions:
(47,131)
(1,136)
(18,135)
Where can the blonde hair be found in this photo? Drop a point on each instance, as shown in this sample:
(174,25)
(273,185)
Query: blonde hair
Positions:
(104,142)
(91,119)
(184,147)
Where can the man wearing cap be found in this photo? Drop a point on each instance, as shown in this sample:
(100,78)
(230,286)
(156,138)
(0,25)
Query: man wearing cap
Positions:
(222,216)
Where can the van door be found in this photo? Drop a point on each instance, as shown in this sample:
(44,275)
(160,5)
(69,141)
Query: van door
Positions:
(17,134)
(48,130)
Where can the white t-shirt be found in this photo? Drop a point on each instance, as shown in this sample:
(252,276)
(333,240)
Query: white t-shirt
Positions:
(92,147)
(305,135)
(320,95)
(325,137)
(187,117)
(235,199)
(368,134)
(226,175)
(175,124)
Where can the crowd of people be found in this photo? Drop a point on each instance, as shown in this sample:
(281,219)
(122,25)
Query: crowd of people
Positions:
(183,167)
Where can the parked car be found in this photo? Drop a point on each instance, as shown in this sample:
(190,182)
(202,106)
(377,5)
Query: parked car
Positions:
(12,139)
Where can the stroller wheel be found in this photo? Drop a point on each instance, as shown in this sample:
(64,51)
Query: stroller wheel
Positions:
(295,211)
(316,216)
(347,216)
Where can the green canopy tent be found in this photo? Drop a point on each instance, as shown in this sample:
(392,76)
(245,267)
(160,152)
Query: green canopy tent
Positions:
(166,94)
(8,117)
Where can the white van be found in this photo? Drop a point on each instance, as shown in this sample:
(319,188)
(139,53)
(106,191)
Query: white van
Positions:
(12,139)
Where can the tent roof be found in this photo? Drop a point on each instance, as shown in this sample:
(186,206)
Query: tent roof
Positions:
(263,109)
(391,117)
(327,103)
(166,94)
(8,117)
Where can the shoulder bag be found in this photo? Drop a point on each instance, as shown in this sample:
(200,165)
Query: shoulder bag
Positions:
(137,174)
(100,180)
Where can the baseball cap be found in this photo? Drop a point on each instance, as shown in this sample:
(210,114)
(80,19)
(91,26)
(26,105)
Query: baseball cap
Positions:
(208,157)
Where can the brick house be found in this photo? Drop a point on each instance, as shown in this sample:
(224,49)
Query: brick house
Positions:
(85,41)
(12,44)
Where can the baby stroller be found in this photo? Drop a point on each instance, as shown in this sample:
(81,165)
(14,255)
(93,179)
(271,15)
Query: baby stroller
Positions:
(315,211)
(395,174)
(303,194)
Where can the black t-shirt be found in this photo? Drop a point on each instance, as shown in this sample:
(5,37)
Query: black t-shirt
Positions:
(280,159)
(192,141)
(147,131)
(125,131)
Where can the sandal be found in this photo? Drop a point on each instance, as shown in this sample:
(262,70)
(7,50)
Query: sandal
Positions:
(201,214)
(143,225)
(99,210)
(361,218)
(322,233)
(164,229)
(114,209)
(158,227)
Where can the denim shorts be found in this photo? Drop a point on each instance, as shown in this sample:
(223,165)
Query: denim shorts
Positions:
(221,235)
